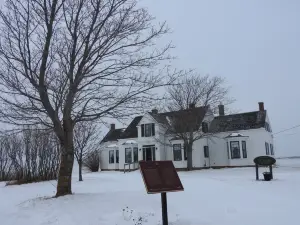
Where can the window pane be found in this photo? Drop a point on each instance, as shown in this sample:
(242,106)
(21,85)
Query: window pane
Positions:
(185,153)
(117,156)
(177,152)
(135,154)
(128,155)
(235,149)
(148,130)
(111,157)
(244,149)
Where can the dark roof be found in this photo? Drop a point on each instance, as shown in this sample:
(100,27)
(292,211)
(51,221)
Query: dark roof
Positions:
(182,118)
(131,131)
(195,114)
(241,121)
(113,135)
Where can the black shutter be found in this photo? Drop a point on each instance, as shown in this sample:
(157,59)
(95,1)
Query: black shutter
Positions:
(206,152)
(184,152)
(143,130)
(227,144)
(153,129)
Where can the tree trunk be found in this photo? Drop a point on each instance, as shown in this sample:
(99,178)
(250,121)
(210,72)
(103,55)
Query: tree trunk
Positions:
(189,157)
(64,185)
(80,170)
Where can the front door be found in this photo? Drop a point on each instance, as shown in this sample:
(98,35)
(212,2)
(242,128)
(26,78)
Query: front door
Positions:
(149,153)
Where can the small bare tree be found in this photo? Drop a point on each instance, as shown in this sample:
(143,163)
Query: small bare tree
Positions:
(68,61)
(5,162)
(197,90)
(86,140)
(192,99)
(92,160)
(29,156)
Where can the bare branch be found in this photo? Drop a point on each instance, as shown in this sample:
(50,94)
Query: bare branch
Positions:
(191,103)
(65,62)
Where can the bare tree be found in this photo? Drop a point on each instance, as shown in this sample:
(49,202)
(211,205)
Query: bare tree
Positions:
(92,160)
(29,156)
(86,139)
(194,89)
(190,100)
(68,61)
(5,162)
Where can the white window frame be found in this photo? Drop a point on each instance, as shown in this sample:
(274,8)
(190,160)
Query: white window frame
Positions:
(126,159)
(231,150)
(178,150)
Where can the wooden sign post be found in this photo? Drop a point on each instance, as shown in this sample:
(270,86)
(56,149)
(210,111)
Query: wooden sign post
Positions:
(160,177)
(264,161)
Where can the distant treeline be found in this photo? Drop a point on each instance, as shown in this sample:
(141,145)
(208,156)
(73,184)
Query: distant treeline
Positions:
(289,157)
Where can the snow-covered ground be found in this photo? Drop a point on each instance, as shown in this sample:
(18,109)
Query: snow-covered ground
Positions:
(211,197)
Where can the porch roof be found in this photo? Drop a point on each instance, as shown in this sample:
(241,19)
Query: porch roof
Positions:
(233,135)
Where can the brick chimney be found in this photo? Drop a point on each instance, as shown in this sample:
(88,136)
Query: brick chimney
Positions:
(261,106)
(192,105)
(154,111)
(112,126)
(221,110)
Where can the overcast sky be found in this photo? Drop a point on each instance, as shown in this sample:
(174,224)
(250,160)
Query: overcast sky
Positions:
(255,44)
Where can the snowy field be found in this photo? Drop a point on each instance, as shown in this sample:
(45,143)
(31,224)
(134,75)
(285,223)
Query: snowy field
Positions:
(211,197)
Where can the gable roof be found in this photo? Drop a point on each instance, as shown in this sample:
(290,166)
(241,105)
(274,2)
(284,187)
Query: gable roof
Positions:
(130,132)
(193,117)
(241,121)
(113,135)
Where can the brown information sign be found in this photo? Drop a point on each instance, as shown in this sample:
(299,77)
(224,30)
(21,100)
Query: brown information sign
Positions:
(160,176)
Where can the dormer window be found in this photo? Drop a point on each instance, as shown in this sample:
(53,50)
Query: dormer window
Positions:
(148,130)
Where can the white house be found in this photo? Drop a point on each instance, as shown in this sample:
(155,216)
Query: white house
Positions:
(232,140)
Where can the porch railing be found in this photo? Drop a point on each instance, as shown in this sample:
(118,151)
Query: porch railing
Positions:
(129,166)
